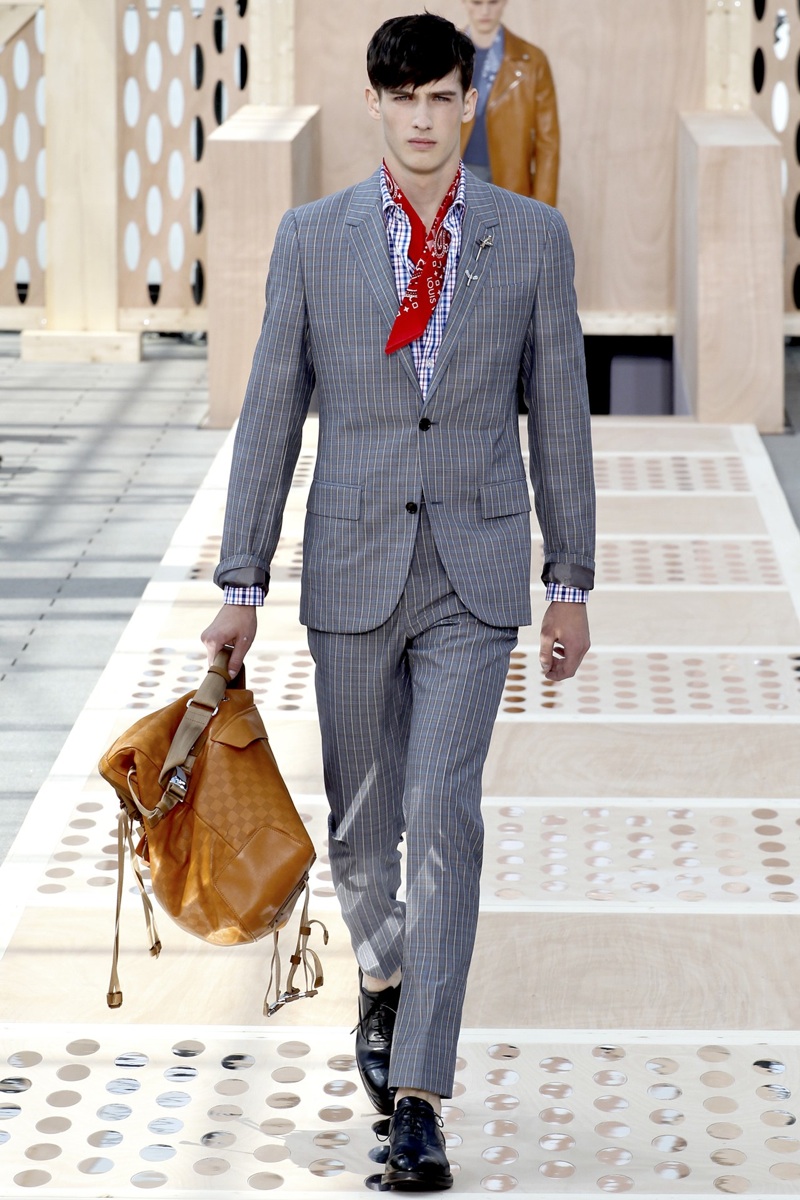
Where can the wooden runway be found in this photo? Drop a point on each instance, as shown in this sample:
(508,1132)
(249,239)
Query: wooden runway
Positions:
(631,1021)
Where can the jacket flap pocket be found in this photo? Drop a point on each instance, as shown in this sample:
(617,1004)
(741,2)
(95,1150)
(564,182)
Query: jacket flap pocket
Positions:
(340,500)
(505,499)
(240,730)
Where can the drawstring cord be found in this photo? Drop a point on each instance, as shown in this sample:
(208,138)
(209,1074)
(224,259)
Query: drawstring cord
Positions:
(124,835)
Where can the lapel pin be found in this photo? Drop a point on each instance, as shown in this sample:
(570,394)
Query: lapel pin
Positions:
(483,244)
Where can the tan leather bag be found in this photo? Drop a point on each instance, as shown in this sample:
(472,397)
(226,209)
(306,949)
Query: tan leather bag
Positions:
(228,853)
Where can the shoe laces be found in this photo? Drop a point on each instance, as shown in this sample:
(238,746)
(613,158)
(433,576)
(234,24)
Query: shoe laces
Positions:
(413,1118)
(380,1010)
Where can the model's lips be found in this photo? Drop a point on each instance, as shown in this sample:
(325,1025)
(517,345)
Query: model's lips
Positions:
(421,142)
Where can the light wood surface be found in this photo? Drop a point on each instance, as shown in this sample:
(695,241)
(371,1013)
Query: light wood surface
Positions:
(658,759)
(13,17)
(647,970)
(261,162)
(80,345)
(82,165)
(728,38)
(272,78)
(729,340)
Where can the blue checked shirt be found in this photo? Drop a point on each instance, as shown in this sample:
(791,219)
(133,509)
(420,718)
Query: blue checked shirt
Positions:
(398,231)
(425,348)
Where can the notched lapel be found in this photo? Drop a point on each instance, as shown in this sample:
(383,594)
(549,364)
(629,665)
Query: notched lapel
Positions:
(371,250)
(481,222)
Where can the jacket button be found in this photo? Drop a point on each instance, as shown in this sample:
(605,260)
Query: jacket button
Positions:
(425,424)
(411,507)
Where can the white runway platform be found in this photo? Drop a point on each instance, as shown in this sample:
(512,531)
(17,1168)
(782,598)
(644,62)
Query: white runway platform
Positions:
(631,1023)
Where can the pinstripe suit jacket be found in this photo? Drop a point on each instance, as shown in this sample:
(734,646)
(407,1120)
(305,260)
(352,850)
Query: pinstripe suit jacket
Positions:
(513,329)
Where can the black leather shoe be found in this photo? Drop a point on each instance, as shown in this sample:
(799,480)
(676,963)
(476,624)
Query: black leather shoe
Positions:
(417,1159)
(376,1012)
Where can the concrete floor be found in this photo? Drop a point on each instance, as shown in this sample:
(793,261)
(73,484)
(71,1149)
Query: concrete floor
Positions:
(99,464)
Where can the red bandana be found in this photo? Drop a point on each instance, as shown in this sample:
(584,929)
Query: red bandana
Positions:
(429,252)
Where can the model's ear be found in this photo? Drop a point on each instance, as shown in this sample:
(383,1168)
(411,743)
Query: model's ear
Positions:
(470,100)
(373,103)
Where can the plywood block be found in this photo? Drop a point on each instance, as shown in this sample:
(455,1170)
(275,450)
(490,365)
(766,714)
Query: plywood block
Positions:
(643,759)
(693,971)
(100,346)
(621,324)
(12,19)
(729,338)
(264,160)
(272,27)
(728,37)
(81,290)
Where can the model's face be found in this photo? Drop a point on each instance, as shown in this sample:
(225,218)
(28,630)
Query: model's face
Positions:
(484,16)
(422,126)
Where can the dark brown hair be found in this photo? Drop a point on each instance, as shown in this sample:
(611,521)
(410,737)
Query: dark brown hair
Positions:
(412,51)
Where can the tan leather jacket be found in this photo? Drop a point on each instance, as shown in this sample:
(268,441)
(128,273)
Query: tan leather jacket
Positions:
(522,123)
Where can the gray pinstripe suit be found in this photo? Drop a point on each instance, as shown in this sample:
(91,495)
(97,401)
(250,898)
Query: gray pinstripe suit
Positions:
(416,558)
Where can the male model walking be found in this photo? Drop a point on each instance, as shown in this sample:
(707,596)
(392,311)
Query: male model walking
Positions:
(419,305)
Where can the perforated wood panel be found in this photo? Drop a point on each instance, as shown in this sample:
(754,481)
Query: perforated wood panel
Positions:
(710,855)
(23,234)
(776,100)
(183,70)
(149,1109)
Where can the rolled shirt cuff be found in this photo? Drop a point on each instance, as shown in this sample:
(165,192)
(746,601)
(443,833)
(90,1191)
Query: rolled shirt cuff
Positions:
(253,595)
(561,593)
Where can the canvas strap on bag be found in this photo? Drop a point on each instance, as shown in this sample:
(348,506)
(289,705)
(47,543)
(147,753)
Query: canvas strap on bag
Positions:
(168,781)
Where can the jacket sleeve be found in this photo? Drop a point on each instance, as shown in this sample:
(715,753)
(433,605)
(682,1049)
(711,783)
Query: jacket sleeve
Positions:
(546,135)
(559,430)
(270,429)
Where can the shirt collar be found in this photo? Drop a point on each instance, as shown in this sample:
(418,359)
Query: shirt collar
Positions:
(387,203)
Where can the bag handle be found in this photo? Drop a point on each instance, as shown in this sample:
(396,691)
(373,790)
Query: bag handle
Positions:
(177,769)
(199,711)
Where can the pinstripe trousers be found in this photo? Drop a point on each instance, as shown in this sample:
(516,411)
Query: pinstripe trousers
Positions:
(406,712)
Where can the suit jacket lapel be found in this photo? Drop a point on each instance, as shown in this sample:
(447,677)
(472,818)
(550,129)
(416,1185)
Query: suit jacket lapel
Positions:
(371,249)
(474,266)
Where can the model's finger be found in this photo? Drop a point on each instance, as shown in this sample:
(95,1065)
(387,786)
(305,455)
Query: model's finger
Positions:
(240,646)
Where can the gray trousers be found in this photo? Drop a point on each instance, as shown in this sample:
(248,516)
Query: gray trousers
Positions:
(406,713)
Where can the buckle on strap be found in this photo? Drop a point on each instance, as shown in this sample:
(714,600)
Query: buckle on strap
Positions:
(287,998)
(177,785)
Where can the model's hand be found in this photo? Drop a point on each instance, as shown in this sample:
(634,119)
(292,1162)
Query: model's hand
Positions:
(234,625)
(565,639)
